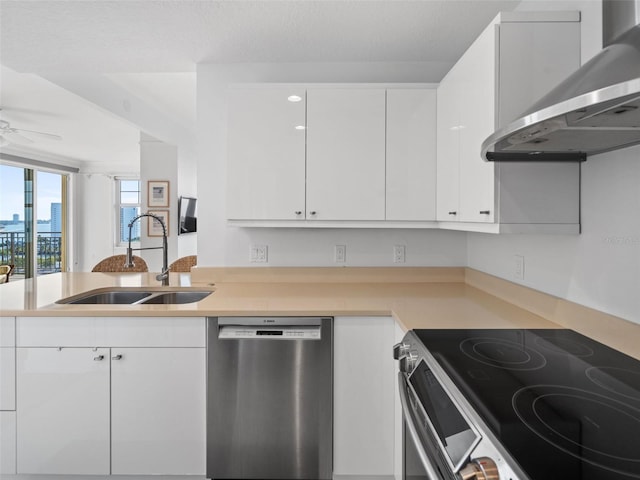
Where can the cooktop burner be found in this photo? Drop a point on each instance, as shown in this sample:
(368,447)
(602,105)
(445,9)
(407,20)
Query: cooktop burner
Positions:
(565,406)
(500,353)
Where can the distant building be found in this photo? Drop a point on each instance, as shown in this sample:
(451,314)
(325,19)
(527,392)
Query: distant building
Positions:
(16,218)
(56,219)
(126,215)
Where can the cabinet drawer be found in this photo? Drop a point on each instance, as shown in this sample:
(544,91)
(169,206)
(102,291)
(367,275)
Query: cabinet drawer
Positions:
(57,332)
(7,332)
(7,378)
(111,332)
(153,331)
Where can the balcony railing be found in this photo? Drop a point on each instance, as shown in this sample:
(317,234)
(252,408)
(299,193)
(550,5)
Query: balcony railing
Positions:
(48,248)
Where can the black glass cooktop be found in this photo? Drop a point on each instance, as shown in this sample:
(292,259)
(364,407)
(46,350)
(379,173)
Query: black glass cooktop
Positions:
(565,406)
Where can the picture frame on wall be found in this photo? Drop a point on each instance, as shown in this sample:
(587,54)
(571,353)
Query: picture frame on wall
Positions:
(157,193)
(154,228)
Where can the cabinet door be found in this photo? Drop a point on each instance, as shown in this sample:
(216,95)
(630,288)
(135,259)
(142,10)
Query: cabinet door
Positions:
(266,153)
(448,147)
(411,155)
(7,378)
(7,363)
(345,154)
(364,401)
(158,411)
(7,443)
(478,100)
(63,414)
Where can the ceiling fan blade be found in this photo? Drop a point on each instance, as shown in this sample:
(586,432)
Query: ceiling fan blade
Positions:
(14,137)
(44,136)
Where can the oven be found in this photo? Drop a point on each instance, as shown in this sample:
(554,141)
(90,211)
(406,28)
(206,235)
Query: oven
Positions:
(517,405)
(442,438)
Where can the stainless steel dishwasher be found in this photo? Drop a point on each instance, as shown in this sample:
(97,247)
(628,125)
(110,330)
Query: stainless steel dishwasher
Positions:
(269,398)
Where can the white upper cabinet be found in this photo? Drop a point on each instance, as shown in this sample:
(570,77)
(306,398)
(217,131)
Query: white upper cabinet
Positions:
(411,155)
(345,154)
(362,155)
(266,153)
(477,99)
(448,146)
(516,60)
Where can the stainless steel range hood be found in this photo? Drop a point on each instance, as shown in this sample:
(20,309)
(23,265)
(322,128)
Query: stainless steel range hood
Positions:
(595,110)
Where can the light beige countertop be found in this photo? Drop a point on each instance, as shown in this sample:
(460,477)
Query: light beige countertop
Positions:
(415,297)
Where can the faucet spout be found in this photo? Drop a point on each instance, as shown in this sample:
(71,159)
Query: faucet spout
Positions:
(164,275)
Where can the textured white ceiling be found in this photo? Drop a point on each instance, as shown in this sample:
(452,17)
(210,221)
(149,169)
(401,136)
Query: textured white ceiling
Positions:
(173,35)
(150,48)
(88,133)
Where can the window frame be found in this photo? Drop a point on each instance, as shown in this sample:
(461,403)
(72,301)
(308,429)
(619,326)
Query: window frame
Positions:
(119,235)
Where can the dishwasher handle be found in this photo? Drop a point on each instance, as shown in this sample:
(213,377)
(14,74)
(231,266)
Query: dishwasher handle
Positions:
(269,333)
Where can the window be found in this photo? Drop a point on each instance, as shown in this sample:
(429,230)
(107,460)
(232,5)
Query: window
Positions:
(33,220)
(128,207)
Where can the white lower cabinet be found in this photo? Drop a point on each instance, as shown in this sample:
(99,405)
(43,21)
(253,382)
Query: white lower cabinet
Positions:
(136,406)
(63,414)
(364,396)
(7,396)
(157,400)
(7,443)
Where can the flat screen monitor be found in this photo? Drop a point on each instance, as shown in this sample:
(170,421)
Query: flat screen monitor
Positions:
(187,220)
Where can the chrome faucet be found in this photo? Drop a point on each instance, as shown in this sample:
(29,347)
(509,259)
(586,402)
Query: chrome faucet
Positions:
(164,275)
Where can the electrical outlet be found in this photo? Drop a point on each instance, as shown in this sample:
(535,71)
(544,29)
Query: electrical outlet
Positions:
(518,267)
(399,253)
(340,253)
(259,253)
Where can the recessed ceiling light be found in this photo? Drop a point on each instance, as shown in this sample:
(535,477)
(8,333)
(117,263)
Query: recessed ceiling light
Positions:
(294,98)
(300,127)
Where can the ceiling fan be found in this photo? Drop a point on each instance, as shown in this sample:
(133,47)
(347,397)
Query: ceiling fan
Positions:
(8,134)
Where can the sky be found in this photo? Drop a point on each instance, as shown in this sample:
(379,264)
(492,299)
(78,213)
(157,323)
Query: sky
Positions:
(12,192)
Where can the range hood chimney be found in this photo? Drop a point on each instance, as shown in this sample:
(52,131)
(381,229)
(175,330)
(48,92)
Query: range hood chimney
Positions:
(595,110)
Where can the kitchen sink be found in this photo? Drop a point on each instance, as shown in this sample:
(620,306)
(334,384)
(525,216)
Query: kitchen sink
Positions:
(137,296)
(171,298)
(113,298)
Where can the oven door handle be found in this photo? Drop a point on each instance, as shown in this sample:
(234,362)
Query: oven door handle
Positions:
(431,469)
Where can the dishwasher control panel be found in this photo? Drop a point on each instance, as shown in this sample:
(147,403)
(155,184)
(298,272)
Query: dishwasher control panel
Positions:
(279,332)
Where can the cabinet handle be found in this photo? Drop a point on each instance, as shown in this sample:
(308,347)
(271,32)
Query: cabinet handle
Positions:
(98,358)
(485,212)
(116,357)
(298,212)
(453,213)
(313,212)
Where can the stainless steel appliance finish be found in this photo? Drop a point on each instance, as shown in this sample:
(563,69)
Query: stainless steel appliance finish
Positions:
(518,404)
(444,438)
(269,398)
(595,110)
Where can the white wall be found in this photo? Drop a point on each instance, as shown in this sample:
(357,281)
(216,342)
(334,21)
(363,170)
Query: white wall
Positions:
(221,245)
(94,220)
(601,267)
(94,217)
(158,161)
(187,186)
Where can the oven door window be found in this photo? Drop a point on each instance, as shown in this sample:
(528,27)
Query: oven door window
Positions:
(453,430)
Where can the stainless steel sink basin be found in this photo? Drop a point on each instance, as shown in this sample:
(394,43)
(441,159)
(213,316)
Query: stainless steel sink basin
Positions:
(113,298)
(171,298)
(137,296)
